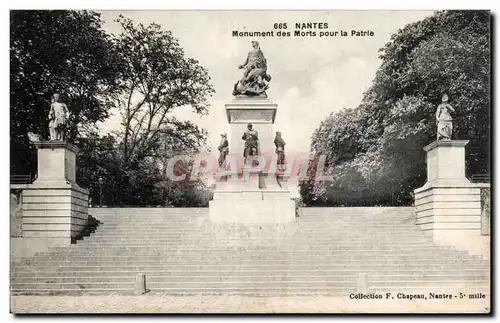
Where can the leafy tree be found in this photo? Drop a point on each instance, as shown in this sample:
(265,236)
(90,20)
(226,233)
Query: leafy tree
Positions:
(57,51)
(145,184)
(375,150)
(98,157)
(143,72)
(156,79)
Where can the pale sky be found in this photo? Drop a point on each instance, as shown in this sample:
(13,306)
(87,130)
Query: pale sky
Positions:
(311,76)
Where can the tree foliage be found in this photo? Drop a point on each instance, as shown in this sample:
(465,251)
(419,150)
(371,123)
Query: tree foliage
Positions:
(156,80)
(57,51)
(143,72)
(375,151)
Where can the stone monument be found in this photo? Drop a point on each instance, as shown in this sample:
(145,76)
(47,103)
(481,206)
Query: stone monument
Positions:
(247,190)
(448,206)
(55,208)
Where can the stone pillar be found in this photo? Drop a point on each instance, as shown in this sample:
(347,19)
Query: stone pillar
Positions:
(446,162)
(251,196)
(56,162)
(448,206)
(54,206)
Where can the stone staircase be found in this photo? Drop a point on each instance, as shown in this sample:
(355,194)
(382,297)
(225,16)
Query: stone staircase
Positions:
(328,251)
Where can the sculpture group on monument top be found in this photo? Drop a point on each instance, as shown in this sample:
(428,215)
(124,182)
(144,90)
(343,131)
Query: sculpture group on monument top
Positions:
(255,80)
(58,116)
(444,119)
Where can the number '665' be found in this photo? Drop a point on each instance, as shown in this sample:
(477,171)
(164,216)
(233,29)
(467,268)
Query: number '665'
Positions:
(280,25)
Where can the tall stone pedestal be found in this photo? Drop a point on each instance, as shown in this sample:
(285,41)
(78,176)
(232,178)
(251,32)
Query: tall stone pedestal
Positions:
(54,206)
(252,194)
(448,206)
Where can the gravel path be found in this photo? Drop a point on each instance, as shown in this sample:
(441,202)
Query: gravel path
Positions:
(236,304)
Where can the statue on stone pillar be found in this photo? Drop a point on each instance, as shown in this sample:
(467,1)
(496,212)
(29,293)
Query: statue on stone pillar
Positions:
(280,149)
(58,116)
(223,149)
(444,119)
(255,80)
(251,138)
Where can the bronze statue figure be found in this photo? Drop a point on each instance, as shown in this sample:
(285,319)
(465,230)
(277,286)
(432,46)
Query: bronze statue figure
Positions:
(444,119)
(255,78)
(223,149)
(280,149)
(251,138)
(58,116)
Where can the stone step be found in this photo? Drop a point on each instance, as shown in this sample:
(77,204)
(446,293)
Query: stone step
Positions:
(301,215)
(232,277)
(264,256)
(300,235)
(309,218)
(296,232)
(140,211)
(234,243)
(254,249)
(307,229)
(312,239)
(194,239)
(342,221)
(370,272)
(324,231)
(219,262)
(168,256)
(296,240)
(313,221)
(428,283)
(231,244)
(189,279)
(260,250)
(185,284)
(412,290)
(248,251)
(248,291)
(267,255)
(300,232)
(356,266)
(252,283)
(303,224)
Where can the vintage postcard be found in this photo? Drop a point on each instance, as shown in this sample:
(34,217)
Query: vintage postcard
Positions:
(250,161)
